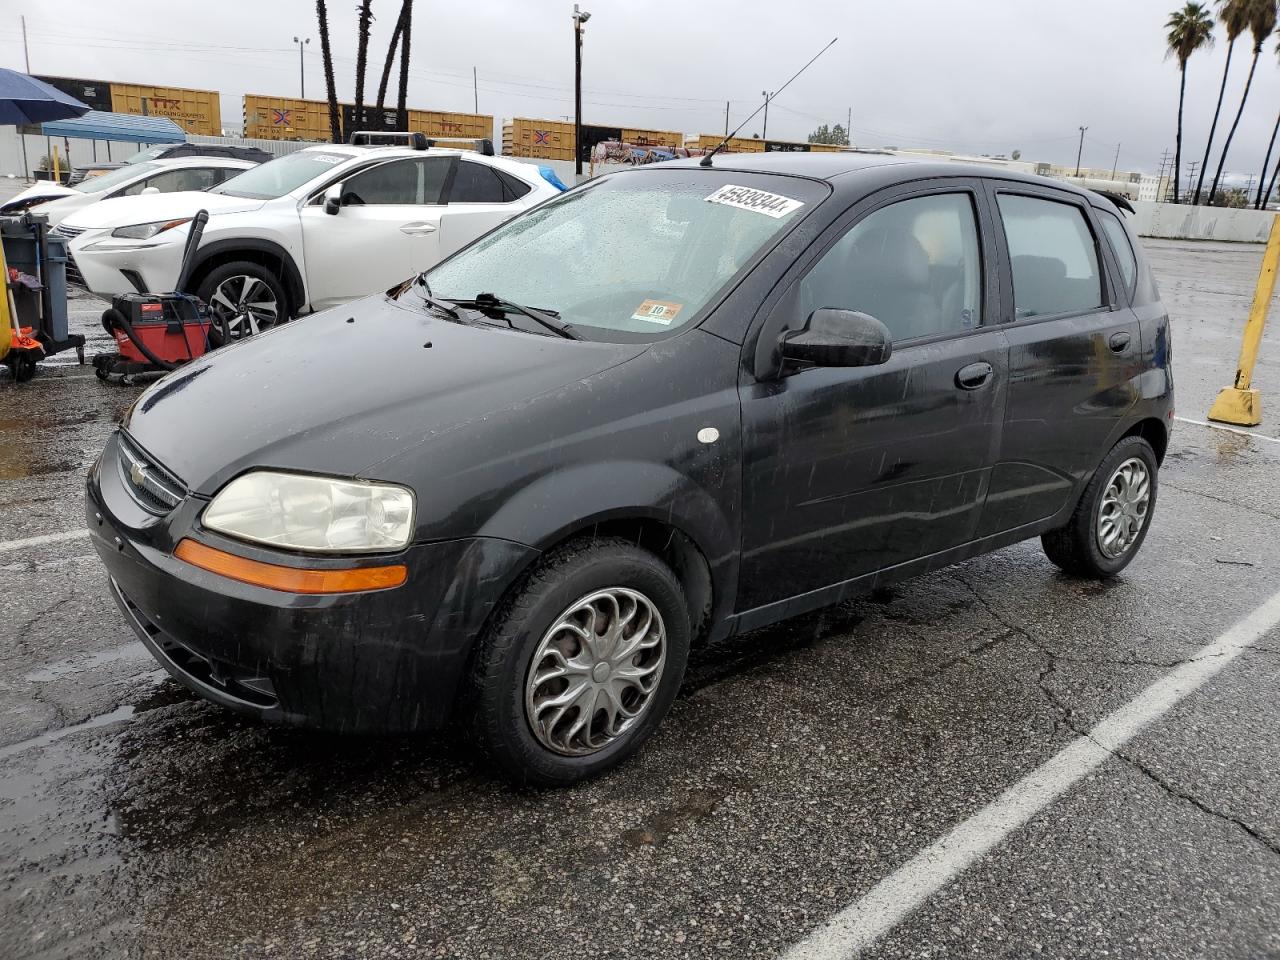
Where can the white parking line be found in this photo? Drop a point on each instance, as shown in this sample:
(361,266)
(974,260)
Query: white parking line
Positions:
(1224,427)
(40,541)
(897,896)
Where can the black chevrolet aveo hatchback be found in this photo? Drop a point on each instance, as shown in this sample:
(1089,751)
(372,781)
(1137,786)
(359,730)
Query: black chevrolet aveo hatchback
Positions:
(672,405)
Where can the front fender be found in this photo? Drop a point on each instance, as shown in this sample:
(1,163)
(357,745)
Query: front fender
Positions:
(566,502)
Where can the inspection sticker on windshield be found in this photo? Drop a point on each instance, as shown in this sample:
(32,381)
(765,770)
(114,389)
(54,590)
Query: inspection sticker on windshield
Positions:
(657,311)
(760,201)
(329,157)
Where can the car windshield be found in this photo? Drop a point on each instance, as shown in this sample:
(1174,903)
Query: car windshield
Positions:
(634,256)
(114,178)
(282,175)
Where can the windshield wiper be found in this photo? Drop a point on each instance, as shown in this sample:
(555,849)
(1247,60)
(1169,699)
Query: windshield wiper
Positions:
(442,305)
(547,318)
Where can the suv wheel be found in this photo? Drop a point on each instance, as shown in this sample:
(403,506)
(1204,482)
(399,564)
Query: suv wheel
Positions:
(581,664)
(1113,516)
(244,298)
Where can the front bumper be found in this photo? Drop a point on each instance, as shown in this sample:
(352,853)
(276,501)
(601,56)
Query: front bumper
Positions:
(101,266)
(380,661)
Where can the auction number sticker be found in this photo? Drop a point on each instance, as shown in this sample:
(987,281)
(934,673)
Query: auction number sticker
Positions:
(657,311)
(329,157)
(759,201)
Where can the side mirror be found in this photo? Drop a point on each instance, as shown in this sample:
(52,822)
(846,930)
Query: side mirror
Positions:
(839,338)
(333,199)
(149,190)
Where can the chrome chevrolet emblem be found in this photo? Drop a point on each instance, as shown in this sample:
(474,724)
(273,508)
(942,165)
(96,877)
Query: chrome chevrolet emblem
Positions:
(137,473)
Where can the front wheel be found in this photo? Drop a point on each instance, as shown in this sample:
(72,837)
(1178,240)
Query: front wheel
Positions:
(244,298)
(1113,516)
(581,664)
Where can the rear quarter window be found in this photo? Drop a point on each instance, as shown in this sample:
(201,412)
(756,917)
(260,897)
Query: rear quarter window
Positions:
(1118,237)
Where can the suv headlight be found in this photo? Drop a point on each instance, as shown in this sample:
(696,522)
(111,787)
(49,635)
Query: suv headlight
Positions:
(145,231)
(316,514)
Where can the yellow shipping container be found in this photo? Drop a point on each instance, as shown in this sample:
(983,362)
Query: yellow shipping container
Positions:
(540,139)
(827,148)
(435,123)
(652,138)
(709,141)
(285,118)
(196,111)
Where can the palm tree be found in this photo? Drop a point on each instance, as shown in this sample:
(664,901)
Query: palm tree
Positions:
(335,126)
(1234,15)
(402,102)
(1266,162)
(1262,21)
(1271,185)
(1189,29)
(391,55)
(362,55)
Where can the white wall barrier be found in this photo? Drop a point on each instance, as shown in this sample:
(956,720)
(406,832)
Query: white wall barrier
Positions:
(1180,221)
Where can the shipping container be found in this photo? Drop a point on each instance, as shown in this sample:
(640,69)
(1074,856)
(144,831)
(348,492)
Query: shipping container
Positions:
(94,93)
(540,139)
(289,118)
(196,111)
(709,141)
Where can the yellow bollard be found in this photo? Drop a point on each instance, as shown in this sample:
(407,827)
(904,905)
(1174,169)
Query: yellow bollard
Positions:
(57,172)
(1240,403)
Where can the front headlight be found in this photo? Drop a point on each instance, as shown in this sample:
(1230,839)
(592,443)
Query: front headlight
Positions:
(145,231)
(315,514)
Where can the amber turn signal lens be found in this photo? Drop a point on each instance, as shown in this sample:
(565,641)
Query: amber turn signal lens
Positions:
(290,579)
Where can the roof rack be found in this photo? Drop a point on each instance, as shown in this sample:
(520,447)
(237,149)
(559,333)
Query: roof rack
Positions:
(416,139)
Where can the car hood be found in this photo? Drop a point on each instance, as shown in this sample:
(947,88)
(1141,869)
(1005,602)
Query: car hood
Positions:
(51,191)
(123,211)
(343,391)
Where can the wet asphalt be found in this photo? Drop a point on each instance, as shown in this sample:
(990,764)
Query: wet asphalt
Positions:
(800,765)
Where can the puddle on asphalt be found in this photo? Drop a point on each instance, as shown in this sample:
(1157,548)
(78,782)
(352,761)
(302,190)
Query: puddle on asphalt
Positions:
(89,661)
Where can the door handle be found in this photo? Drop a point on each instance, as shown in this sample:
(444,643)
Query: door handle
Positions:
(418,228)
(1119,342)
(973,376)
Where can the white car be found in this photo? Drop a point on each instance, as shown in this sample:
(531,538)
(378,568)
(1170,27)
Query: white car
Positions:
(305,231)
(146,177)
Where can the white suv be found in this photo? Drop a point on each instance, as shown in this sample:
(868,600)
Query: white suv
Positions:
(133,179)
(305,231)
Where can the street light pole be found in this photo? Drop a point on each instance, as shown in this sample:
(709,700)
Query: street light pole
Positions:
(1080,152)
(764,133)
(579,18)
(302,76)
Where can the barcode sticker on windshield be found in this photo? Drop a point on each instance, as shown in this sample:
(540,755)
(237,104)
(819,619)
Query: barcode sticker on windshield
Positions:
(657,311)
(759,201)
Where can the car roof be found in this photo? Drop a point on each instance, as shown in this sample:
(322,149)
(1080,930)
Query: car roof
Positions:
(843,167)
(525,169)
(198,160)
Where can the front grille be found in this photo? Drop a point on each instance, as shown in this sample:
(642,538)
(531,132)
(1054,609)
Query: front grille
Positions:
(66,232)
(74,276)
(150,484)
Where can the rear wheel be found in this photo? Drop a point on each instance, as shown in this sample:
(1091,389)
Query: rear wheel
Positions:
(1113,516)
(244,298)
(581,664)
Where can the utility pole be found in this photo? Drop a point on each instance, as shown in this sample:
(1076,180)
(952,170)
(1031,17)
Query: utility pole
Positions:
(848,128)
(764,133)
(726,118)
(26,54)
(475,89)
(1115,164)
(1080,151)
(1191,175)
(579,18)
(302,73)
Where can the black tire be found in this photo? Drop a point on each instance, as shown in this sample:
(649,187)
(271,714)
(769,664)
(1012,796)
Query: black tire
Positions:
(1075,547)
(502,662)
(224,327)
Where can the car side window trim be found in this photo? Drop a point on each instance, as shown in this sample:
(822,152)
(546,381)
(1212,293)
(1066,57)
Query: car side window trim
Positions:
(996,189)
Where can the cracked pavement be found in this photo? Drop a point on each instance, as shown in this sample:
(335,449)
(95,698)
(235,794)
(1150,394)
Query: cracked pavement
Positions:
(800,765)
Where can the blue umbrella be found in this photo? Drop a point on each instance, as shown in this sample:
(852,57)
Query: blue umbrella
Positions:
(25,99)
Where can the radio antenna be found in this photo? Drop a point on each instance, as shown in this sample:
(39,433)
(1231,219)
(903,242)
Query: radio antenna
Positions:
(706,160)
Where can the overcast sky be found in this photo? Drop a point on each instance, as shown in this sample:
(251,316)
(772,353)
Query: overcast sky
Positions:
(979,77)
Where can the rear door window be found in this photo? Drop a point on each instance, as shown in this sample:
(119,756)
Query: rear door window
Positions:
(1053,256)
(1122,246)
(476,183)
